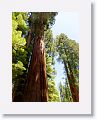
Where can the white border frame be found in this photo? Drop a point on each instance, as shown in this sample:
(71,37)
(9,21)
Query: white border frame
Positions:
(6,104)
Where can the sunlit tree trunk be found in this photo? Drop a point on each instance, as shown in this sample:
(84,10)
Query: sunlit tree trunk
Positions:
(36,88)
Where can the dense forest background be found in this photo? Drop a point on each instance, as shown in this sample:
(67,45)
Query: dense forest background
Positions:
(33,58)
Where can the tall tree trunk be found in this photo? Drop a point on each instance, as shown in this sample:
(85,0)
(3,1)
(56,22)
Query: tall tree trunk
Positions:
(36,88)
(71,80)
(73,87)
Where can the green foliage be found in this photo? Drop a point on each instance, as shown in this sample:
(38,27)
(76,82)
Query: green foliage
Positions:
(47,17)
(53,95)
(68,51)
(18,41)
(50,51)
(62,92)
(68,95)
(20,18)
(65,93)
(49,43)
(18,67)
(53,92)
(19,52)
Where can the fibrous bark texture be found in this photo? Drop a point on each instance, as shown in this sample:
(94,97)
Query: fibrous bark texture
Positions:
(36,89)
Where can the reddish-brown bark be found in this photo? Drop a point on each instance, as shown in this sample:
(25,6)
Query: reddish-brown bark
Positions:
(75,92)
(36,88)
(71,80)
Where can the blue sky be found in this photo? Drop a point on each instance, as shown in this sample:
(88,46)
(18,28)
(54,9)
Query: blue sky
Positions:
(67,23)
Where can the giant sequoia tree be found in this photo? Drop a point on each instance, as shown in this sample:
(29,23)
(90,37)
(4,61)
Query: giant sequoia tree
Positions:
(36,88)
(69,55)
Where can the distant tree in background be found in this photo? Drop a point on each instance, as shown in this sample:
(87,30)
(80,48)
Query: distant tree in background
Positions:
(62,92)
(65,92)
(69,55)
